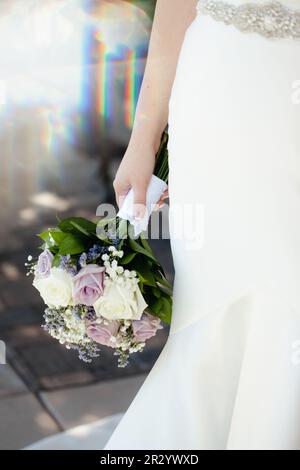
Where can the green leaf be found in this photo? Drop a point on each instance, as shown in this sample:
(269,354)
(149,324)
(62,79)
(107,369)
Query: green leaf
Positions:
(135,246)
(146,245)
(143,269)
(146,275)
(161,168)
(154,304)
(162,308)
(53,238)
(166,312)
(163,281)
(58,237)
(128,258)
(156,293)
(71,245)
(80,229)
(78,224)
(46,237)
(56,261)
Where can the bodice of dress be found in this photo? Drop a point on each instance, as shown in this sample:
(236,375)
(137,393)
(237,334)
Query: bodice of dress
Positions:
(295,4)
(272,19)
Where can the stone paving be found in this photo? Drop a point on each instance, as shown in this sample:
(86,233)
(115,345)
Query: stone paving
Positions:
(43,387)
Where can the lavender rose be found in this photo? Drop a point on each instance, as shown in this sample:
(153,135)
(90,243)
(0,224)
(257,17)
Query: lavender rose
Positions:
(146,327)
(88,284)
(104,334)
(44,263)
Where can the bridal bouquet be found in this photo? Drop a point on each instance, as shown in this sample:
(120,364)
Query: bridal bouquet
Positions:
(101,285)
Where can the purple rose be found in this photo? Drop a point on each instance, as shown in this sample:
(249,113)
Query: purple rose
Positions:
(104,334)
(146,327)
(44,263)
(88,284)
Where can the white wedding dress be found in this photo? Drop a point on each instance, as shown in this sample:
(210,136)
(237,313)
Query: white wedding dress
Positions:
(229,374)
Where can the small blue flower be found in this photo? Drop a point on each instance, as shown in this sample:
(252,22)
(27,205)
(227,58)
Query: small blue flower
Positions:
(94,252)
(82,260)
(66,264)
(116,242)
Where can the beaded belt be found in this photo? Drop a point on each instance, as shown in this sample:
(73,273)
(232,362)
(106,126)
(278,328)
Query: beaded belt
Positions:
(272,20)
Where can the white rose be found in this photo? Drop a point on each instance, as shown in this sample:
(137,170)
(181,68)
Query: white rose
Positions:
(56,289)
(120,303)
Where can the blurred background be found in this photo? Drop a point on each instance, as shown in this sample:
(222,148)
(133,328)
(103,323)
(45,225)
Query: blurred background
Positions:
(70,75)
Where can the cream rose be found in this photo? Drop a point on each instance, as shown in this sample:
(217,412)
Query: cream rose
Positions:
(56,289)
(119,302)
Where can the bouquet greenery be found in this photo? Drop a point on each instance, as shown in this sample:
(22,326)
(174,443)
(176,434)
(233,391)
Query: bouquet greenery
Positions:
(101,285)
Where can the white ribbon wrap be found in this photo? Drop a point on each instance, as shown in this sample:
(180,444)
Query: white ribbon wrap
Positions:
(155,189)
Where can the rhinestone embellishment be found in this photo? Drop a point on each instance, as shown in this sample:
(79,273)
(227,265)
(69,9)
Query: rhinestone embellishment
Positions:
(271,20)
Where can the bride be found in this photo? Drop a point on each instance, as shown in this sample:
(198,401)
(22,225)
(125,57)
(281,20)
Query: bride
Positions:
(229,375)
(225,76)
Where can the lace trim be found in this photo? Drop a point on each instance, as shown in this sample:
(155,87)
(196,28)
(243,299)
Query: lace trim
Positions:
(271,20)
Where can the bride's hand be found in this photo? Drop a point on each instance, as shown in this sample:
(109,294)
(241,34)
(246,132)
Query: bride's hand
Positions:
(135,172)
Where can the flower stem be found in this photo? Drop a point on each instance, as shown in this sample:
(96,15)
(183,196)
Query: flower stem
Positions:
(161,169)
